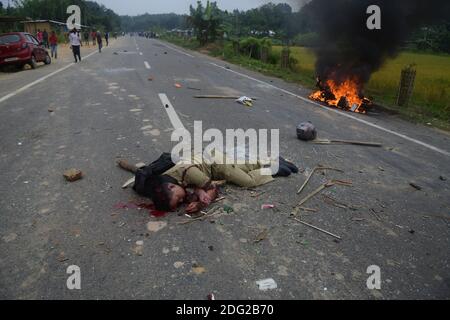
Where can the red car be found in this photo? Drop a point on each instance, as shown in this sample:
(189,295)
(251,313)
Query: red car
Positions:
(20,48)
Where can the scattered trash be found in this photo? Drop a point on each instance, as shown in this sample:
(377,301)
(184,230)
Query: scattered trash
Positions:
(198,269)
(415,186)
(128,183)
(204,216)
(306,131)
(318,190)
(50,110)
(318,229)
(266,284)
(219,199)
(311,174)
(246,101)
(228,209)
(219,97)
(211,296)
(150,79)
(139,248)
(72,175)
(358,143)
(62,257)
(442,178)
(412,231)
(177,85)
(192,88)
(155,226)
(267,206)
(178,264)
(19,143)
(261,236)
(373,212)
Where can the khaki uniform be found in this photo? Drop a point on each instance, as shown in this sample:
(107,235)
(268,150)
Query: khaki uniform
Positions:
(198,173)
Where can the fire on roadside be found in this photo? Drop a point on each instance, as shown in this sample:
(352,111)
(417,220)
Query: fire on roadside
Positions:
(345,95)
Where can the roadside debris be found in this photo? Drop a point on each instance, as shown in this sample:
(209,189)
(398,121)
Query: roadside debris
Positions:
(415,186)
(155,226)
(266,284)
(267,206)
(358,143)
(318,190)
(197,269)
(228,209)
(73,175)
(246,101)
(442,178)
(261,235)
(205,215)
(177,85)
(211,296)
(319,167)
(139,248)
(50,110)
(306,131)
(219,97)
(150,78)
(318,229)
(192,88)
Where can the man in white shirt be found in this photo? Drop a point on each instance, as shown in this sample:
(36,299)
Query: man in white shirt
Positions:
(75,43)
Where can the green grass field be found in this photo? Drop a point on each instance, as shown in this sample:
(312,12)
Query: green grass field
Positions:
(431,98)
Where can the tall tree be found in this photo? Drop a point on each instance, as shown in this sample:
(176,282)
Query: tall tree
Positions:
(206,21)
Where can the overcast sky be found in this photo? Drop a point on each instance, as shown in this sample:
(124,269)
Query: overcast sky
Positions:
(134,7)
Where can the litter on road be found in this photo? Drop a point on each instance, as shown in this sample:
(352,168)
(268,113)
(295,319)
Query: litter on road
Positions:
(358,143)
(306,131)
(73,175)
(318,229)
(266,284)
(317,168)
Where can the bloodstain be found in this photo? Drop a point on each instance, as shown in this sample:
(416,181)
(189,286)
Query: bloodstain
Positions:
(150,207)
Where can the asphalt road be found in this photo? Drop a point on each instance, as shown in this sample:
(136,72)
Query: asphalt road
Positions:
(105,108)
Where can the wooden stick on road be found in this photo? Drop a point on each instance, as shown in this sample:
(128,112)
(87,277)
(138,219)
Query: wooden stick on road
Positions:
(318,229)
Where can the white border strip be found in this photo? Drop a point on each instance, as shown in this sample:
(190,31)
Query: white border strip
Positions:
(174,119)
(345,114)
(16,92)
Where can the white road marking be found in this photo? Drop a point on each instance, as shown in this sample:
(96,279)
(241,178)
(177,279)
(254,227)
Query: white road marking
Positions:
(147,65)
(345,114)
(175,49)
(14,93)
(174,119)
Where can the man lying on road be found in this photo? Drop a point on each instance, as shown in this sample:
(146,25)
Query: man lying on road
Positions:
(170,189)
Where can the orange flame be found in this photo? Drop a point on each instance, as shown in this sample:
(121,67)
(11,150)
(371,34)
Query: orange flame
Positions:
(348,89)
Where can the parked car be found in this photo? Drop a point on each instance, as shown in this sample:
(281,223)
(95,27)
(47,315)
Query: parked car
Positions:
(21,48)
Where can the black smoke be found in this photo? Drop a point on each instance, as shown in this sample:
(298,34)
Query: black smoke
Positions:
(347,48)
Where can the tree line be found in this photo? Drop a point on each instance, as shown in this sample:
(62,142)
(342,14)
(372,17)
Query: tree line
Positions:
(92,14)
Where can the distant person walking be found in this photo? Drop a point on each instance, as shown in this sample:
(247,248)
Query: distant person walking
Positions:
(75,43)
(99,41)
(54,45)
(39,36)
(86,38)
(45,38)
(107,38)
(94,37)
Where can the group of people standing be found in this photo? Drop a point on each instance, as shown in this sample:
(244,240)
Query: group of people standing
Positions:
(51,41)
